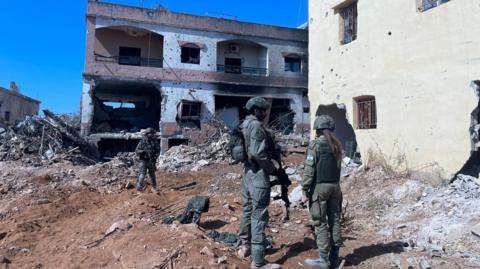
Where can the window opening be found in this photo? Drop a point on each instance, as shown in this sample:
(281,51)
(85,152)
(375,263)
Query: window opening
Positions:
(293,64)
(233,65)
(190,55)
(190,110)
(366,113)
(130,56)
(7,116)
(429,4)
(116,105)
(349,16)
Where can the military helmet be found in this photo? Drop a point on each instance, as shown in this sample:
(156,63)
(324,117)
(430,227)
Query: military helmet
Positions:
(324,122)
(257,102)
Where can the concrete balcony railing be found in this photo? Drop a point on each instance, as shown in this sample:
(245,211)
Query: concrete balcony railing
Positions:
(130,60)
(111,69)
(234,69)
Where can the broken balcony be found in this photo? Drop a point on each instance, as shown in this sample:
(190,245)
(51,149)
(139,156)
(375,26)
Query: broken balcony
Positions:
(129,46)
(242,57)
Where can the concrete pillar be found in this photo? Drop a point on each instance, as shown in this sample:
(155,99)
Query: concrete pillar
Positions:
(86,109)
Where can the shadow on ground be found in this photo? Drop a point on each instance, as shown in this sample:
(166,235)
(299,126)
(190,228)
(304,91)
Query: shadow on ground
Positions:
(362,254)
(213,224)
(297,248)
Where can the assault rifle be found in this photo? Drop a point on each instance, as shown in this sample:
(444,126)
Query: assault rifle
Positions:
(282,177)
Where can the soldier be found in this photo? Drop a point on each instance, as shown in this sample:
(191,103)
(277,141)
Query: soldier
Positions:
(256,185)
(321,188)
(147,151)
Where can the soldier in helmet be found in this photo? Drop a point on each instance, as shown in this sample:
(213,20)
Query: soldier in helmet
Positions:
(321,189)
(147,151)
(256,185)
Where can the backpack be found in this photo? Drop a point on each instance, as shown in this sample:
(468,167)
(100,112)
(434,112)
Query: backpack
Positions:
(237,145)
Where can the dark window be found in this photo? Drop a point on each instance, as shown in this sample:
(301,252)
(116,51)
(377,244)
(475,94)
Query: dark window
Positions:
(233,65)
(190,55)
(130,56)
(348,16)
(366,112)
(293,64)
(428,4)
(7,116)
(190,110)
(306,110)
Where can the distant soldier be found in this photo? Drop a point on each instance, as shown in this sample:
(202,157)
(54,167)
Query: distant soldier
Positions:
(256,185)
(321,188)
(147,151)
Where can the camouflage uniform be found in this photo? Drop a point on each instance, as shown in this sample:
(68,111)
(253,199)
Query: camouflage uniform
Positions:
(147,151)
(321,184)
(256,189)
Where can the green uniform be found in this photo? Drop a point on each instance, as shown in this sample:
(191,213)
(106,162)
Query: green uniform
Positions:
(321,182)
(255,188)
(147,151)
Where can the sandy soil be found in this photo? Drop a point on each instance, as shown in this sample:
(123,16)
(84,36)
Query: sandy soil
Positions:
(55,223)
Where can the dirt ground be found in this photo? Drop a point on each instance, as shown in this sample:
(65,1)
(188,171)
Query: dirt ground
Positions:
(50,222)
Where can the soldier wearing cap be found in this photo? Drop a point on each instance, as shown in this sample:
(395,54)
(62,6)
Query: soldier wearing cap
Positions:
(256,185)
(321,189)
(147,151)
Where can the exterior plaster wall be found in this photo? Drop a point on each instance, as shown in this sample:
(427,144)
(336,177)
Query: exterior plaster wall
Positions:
(252,55)
(109,41)
(17,105)
(420,75)
(208,54)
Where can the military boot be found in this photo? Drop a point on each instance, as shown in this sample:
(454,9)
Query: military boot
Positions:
(244,252)
(258,259)
(333,257)
(319,263)
(266,266)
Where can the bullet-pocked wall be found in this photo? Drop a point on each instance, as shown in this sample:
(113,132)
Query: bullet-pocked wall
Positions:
(403,74)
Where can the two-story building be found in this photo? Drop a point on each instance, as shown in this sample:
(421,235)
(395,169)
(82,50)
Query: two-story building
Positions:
(176,72)
(401,77)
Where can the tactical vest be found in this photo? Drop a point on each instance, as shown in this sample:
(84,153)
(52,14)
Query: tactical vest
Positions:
(327,170)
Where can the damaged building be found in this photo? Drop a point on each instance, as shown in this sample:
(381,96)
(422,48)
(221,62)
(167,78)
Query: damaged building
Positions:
(400,78)
(15,106)
(176,72)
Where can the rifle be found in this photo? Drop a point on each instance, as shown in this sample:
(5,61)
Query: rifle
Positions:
(282,177)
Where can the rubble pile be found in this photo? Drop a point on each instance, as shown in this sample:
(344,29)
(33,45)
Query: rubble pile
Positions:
(432,220)
(183,158)
(45,139)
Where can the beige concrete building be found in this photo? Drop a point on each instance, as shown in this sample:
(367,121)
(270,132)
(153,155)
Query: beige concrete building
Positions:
(15,106)
(176,72)
(400,77)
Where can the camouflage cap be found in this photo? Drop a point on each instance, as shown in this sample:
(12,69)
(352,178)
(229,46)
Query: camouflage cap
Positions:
(257,102)
(324,122)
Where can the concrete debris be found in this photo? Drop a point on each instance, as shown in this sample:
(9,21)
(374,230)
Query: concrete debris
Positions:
(348,167)
(295,196)
(40,140)
(476,230)
(222,259)
(206,251)
(188,158)
(434,218)
(467,185)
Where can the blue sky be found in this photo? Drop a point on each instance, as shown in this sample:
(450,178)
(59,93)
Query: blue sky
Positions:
(42,43)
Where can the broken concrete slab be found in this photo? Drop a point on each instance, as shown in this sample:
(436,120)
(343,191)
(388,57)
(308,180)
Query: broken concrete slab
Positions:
(476,230)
